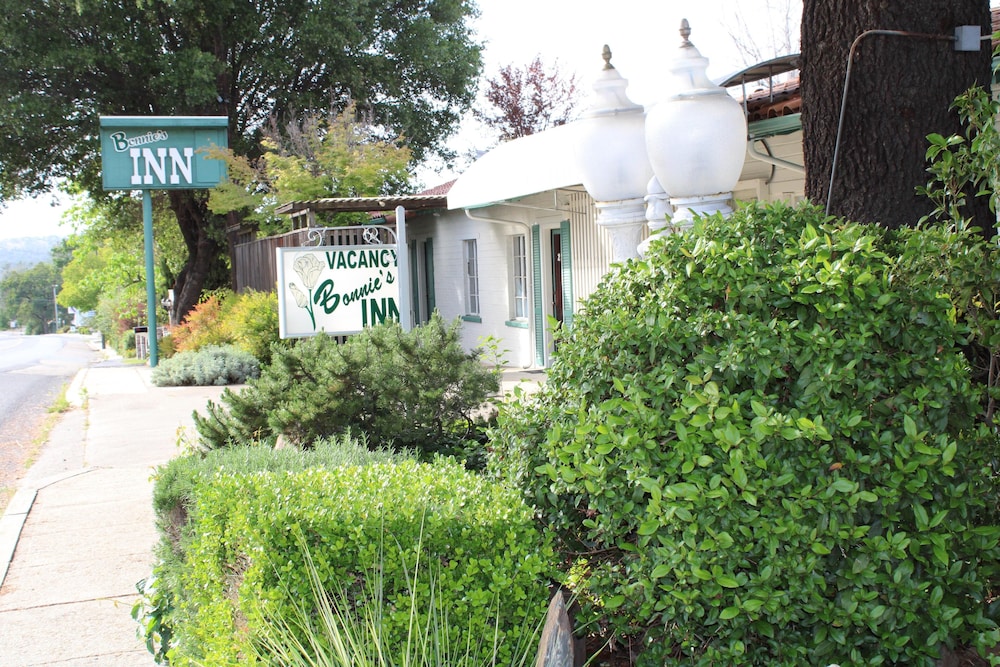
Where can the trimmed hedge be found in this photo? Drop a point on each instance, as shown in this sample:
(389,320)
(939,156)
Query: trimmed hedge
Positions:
(243,564)
(761,445)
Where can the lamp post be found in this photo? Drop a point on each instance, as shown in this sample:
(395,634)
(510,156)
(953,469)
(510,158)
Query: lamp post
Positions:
(612,154)
(55,310)
(696,138)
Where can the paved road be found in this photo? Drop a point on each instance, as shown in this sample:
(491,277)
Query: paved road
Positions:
(33,370)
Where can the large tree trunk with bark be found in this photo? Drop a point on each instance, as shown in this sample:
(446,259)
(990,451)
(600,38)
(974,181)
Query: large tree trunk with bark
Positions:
(900,90)
(204,236)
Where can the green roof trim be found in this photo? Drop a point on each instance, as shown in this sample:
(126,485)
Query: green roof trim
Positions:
(772,127)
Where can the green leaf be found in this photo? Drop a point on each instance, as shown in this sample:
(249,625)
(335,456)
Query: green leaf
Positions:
(614,602)
(728,613)
(649,527)
(841,485)
(660,571)
(819,548)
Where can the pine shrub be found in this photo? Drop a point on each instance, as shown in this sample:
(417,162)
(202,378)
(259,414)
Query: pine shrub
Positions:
(417,389)
(759,446)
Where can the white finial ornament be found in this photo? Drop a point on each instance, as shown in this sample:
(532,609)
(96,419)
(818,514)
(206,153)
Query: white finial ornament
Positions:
(696,138)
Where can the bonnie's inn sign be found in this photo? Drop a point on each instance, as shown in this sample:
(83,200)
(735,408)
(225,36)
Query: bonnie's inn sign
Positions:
(336,289)
(161,152)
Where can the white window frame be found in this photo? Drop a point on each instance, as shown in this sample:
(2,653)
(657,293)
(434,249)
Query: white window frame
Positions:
(470,254)
(520,286)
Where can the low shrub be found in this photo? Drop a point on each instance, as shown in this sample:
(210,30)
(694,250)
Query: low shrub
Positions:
(251,323)
(211,365)
(175,491)
(441,537)
(758,446)
(248,320)
(417,389)
(203,325)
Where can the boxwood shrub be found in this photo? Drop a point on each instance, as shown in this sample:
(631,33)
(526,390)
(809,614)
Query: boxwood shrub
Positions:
(244,564)
(758,446)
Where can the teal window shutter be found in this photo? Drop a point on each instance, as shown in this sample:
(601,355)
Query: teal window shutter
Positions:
(567,273)
(539,311)
(429,270)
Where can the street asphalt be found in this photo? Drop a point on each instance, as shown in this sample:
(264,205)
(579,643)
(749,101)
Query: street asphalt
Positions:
(78,534)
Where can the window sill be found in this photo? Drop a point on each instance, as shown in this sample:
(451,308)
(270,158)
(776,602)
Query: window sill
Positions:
(472,318)
(517,324)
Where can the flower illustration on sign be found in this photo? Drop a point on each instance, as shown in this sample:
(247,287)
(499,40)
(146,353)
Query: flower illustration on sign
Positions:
(309,268)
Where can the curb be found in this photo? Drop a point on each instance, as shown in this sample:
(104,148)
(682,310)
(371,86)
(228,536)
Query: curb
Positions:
(11,524)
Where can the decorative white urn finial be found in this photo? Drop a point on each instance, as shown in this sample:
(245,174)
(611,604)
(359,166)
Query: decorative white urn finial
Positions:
(696,138)
(612,155)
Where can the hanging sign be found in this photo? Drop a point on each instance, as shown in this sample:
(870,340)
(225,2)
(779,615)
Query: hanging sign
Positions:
(336,289)
(161,152)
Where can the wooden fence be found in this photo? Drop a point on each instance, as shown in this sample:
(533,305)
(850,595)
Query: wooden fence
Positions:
(255,266)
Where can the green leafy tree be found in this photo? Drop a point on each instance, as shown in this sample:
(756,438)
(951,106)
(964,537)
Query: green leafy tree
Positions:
(26,296)
(106,262)
(407,65)
(310,158)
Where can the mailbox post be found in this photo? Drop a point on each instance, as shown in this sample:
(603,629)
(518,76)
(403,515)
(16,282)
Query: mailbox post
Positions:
(160,153)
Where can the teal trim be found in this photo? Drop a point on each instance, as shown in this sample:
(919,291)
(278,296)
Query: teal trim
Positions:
(163,121)
(567,273)
(772,127)
(536,277)
(414,283)
(429,270)
(516,324)
(472,318)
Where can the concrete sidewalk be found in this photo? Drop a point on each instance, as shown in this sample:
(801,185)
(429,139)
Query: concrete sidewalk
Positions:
(79,533)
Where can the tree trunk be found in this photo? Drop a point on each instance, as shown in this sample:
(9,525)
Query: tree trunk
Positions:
(204,236)
(900,91)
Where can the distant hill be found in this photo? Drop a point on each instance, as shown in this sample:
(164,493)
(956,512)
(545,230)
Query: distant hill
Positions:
(26,252)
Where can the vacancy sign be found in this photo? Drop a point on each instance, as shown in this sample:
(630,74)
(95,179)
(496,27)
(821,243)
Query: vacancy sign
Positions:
(161,152)
(336,289)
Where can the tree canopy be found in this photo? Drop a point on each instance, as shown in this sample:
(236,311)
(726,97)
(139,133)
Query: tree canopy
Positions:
(310,158)
(407,65)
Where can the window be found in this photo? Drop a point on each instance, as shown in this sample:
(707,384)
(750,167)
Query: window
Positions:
(519,275)
(471,277)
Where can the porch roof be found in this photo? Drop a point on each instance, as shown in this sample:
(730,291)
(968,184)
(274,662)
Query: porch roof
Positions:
(537,163)
(365,204)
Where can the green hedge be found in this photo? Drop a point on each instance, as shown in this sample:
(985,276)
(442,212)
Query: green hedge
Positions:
(761,442)
(244,565)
